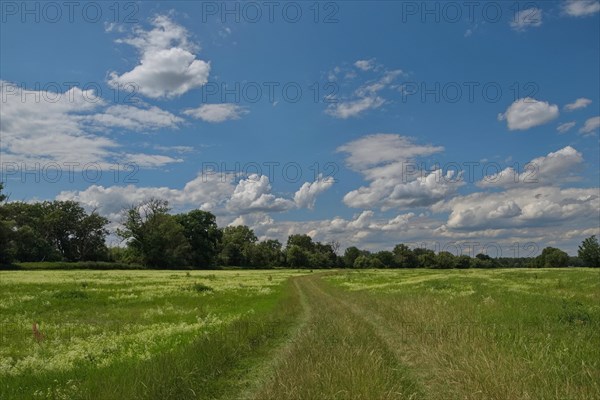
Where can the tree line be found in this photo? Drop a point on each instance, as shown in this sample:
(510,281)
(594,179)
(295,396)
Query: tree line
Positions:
(153,237)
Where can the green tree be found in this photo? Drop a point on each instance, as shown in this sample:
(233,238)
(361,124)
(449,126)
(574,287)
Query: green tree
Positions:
(362,262)
(445,260)
(463,261)
(482,261)
(552,257)
(155,236)
(405,258)
(589,252)
(6,236)
(267,254)
(425,257)
(350,255)
(52,231)
(297,257)
(89,239)
(203,235)
(387,258)
(237,246)
(323,256)
(303,241)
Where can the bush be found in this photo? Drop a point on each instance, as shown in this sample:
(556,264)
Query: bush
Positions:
(201,287)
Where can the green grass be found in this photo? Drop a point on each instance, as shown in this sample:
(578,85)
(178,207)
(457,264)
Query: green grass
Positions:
(110,332)
(493,334)
(277,334)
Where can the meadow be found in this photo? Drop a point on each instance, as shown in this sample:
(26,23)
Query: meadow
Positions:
(295,334)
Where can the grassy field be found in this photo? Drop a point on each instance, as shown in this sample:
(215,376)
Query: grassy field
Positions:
(372,334)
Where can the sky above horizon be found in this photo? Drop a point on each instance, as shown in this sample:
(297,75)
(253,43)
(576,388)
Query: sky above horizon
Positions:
(461,126)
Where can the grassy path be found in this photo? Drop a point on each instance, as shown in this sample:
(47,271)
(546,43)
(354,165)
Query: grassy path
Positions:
(456,335)
(337,355)
(428,345)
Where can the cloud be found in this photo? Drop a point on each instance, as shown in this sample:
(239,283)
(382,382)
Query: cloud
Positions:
(206,192)
(150,160)
(524,19)
(526,113)
(555,168)
(168,67)
(563,128)
(579,103)
(216,113)
(523,207)
(581,8)
(590,125)
(387,162)
(176,149)
(306,196)
(224,194)
(381,148)
(365,65)
(254,195)
(396,192)
(366,96)
(353,108)
(40,126)
(135,119)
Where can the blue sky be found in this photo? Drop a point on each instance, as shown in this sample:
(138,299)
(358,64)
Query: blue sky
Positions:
(388,89)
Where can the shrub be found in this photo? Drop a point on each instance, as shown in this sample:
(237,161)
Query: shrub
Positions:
(201,287)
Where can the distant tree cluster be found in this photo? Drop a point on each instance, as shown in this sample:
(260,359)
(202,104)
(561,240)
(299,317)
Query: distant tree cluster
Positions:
(50,231)
(156,238)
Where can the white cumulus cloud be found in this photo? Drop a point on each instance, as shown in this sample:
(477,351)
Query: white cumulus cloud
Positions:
(527,112)
(168,66)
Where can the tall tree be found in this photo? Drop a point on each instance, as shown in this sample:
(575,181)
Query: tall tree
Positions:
(425,257)
(445,260)
(6,242)
(350,255)
(589,252)
(552,257)
(155,237)
(405,258)
(237,246)
(203,235)
(297,257)
(303,241)
(267,254)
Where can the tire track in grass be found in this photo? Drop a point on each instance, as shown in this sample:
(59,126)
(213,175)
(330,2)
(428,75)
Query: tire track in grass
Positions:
(259,375)
(336,355)
(381,328)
